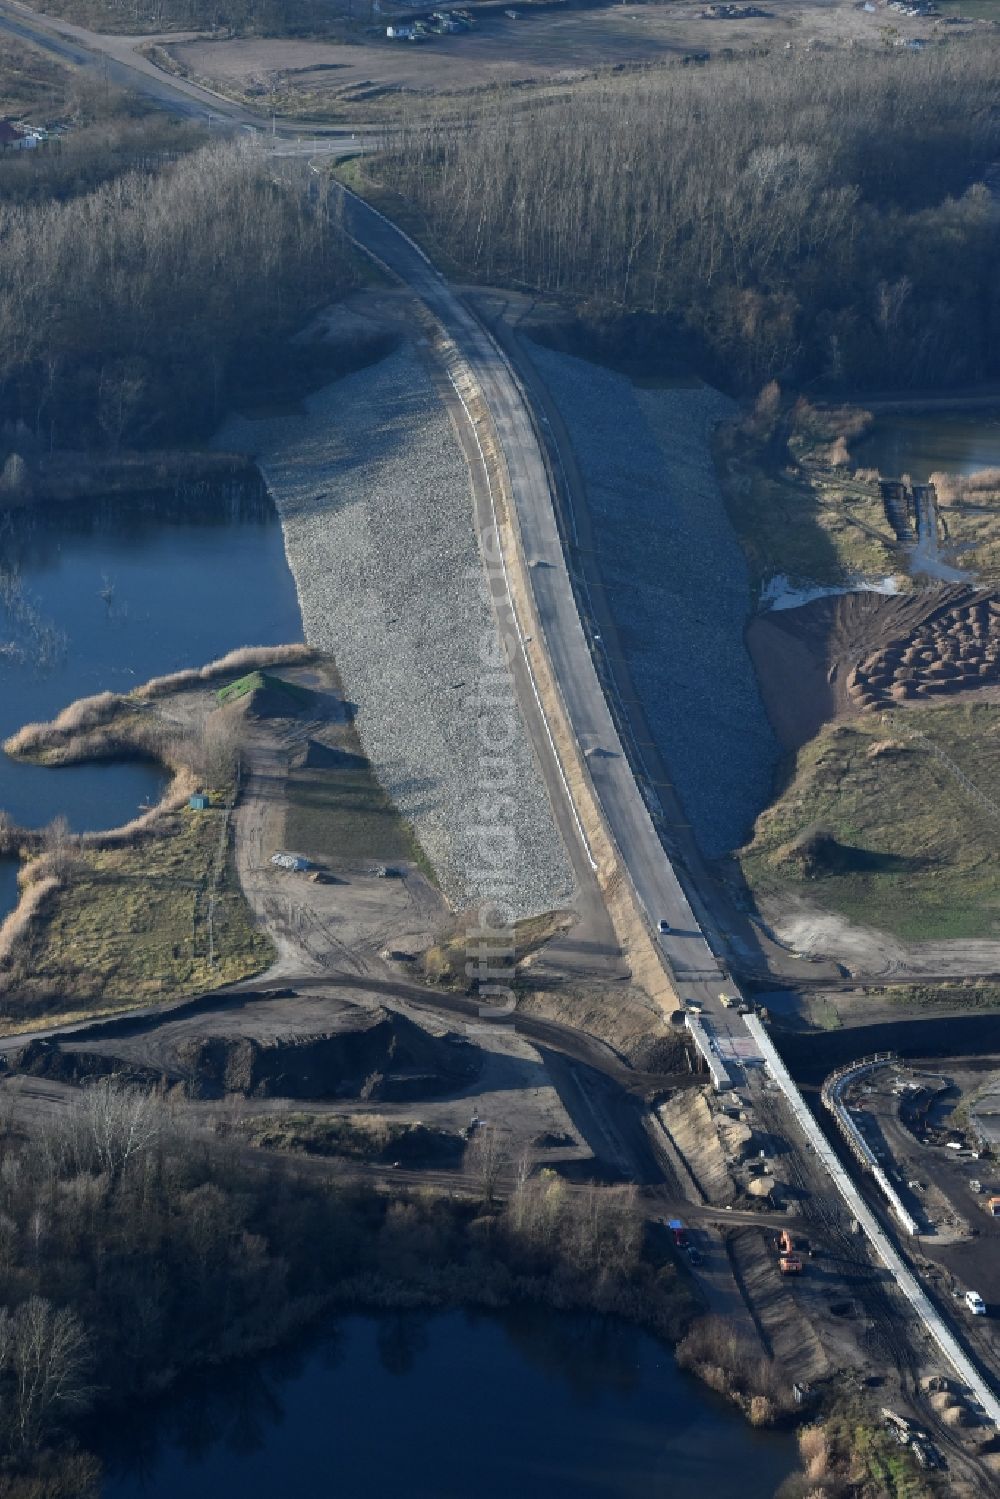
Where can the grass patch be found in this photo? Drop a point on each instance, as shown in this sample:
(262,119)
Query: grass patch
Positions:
(132,925)
(260,681)
(890,839)
(33,84)
(811,529)
(965,995)
(359,1137)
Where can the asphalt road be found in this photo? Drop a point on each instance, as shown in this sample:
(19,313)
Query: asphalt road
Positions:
(686,953)
(697,972)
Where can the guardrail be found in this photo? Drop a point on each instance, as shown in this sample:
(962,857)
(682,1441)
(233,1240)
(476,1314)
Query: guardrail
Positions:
(832,1094)
(876,1235)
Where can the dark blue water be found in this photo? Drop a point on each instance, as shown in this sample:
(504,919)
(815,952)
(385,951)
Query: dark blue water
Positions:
(108,597)
(108,600)
(455,1406)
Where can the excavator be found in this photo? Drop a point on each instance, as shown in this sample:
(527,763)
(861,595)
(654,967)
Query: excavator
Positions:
(789,1259)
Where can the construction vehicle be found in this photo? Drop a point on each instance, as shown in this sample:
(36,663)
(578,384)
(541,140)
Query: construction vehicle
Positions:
(789,1258)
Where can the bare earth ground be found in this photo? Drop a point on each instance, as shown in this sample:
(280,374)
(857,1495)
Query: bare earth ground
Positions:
(552,46)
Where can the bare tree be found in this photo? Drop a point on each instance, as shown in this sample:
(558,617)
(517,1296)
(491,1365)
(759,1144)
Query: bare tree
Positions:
(119,1123)
(60,846)
(45,1362)
(486,1157)
(216,750)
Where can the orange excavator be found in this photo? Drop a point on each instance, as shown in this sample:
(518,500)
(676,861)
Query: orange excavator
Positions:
(789,1259)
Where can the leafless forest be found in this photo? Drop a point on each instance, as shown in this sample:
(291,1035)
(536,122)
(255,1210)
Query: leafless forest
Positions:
(812,216)
(131,311)
(237,17)
(132,1248)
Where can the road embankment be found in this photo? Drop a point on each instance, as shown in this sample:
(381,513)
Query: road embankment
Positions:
(676,581)
(374,498)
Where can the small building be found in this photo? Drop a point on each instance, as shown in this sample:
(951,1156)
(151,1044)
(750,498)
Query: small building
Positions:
(199,802)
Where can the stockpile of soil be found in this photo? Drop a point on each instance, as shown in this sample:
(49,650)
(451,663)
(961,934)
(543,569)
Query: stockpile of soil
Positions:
(49,1060)
(317,756)
(840,655)
(956,647)
(381,1055)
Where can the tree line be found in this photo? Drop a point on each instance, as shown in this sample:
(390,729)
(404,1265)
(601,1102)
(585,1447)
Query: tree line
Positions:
(229,17)
(811,216)
(131,313)
(132,1247)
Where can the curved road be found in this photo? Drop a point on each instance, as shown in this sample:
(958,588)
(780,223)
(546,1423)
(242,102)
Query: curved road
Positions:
(698,974)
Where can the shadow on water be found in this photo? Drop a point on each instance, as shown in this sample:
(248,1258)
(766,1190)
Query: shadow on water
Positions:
(106,596)
(529,1402)
(920,445)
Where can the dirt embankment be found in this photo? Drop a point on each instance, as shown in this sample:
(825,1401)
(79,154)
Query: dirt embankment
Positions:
(839,655)
(377,1054)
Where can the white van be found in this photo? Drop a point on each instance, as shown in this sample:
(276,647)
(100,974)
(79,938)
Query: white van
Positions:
(975,1303)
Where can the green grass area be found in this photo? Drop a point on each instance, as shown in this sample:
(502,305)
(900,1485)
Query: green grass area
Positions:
(132,924)
(260,681)
(966,995)
(873,825)
(359,1137)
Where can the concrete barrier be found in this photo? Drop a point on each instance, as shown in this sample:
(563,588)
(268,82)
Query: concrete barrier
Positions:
(833,1097)
(877,1237)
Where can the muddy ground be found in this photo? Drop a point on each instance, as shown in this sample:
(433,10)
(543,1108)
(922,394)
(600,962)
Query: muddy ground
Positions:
(807,659)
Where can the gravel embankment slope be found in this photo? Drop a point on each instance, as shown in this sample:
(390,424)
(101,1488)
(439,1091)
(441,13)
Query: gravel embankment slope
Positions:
(677,584)
(374,497)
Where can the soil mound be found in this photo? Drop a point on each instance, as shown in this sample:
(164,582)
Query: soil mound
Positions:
(317,756)
(261,695)
(860,652)
(955,647)
(49,1060)
(380,1055)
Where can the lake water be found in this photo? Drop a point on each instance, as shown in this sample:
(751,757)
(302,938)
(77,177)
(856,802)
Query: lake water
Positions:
(953,443)
(450,1406)
(108,597)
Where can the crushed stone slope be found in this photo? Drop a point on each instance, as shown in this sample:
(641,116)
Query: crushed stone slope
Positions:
(374,497)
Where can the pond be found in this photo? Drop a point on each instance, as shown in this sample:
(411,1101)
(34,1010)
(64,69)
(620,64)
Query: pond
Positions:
(959,442)
(448,1406)
(107,597)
